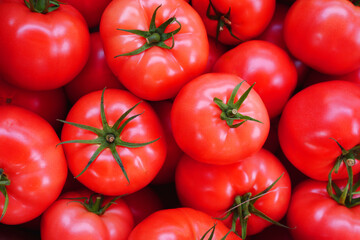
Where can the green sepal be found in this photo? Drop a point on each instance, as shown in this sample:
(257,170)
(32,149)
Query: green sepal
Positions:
(4,181)
(42,6)
(230,109)
(156,36)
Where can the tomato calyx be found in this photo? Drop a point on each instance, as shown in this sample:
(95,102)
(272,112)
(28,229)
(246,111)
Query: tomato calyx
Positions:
(223,20)
(155,36)
(345,196)
(243,208)
(355,2)
(230,109)
(94,203)
(108,137)
(4,181)
(42,6)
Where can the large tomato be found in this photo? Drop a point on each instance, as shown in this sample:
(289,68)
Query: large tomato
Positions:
(177,51)
(265,64)
(41,51)
(313,214)
(233,21)
(32,169)
(82,215)
(315,121)
(324,34)
(219,190)
(121,145)
(180,224)
(220,135)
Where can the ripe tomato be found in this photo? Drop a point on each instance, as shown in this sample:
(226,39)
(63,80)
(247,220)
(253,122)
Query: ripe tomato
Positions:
(95,75)
(246,19)
(157,73)
(313,214)
(124,156)
(265,64)
(179,223)
(324,34)
(311,123)
(49,104)
(41,51)
(86,216)
(30,163)
(215,189)
(91,10)
(212,134)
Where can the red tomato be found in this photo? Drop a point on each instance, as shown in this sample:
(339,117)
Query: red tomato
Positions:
(313,214)
(140,209)
(70,219)
(311,118)
(324,34)
(181,224)
(173,152)
(267,65)
(95,75)
(30,160)
(50,104)
(197,123)
(41,51)
(105,174)
(213,189)
(246,18)
(156,73)
(91,10)
(216,49)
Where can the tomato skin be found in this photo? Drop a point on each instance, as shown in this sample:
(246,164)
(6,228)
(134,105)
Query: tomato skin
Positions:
(317,30)
(173,152)
(74,221)
(265,64)
(156,74)
(311,118)
(41,51)
(95,75)
(104,174)
(198,129)
(50,104)
(31,161)
(178,223)
(91,10)
(212,189)
(313,214)
(248,18)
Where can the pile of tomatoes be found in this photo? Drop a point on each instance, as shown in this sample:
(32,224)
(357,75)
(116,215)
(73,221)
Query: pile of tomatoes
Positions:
(174,119)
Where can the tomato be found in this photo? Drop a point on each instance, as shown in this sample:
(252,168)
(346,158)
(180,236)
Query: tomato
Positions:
(267,65)
(173,152)
(41,51)
(216,49)
(88,218)
(246,19)
(50,104)
(216,189)
(139,210)
(313,214)
(30,163)
(95,75)
(181,224)
(157,73)
(91,10)
(113,157)
(212,134)
(314,121)
(317,30)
